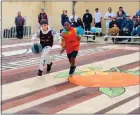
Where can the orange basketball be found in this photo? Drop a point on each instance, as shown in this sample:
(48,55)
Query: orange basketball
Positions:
(104,79)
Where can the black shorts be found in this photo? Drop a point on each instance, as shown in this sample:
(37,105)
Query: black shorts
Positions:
(72,54)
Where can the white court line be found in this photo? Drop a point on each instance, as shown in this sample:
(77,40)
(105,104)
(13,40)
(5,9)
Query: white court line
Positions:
(16,45)
(100,102)
(127,107)
(37,83)
(17,52)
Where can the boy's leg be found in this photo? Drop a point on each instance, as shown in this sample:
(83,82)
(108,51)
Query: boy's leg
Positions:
(48,59)
(72,58)
(44,59)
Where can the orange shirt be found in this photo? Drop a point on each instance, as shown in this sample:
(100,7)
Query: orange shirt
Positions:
(70,41)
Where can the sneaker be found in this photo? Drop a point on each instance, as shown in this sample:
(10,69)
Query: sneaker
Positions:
(72,70)
(39,73)
(49,67)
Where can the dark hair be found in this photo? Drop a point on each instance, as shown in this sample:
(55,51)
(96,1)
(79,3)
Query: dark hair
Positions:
(96,8)
(44,21)
(87,10)
(67,22)
(120,7)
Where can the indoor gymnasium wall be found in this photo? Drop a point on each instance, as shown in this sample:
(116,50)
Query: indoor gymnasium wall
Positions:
(28,9)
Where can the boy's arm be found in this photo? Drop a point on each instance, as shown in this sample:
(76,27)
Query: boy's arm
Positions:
(35,36)
(56,36)
(63,45)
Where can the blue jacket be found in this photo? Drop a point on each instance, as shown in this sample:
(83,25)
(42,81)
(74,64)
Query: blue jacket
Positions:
(127,24)
(138,13)
(17,21)
(64,18)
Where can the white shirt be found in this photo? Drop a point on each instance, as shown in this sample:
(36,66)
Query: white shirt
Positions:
(97,16)
(107,15)
(75,18)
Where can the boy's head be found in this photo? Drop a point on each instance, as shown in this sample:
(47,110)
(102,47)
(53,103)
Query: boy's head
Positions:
(67,25)
(44,24)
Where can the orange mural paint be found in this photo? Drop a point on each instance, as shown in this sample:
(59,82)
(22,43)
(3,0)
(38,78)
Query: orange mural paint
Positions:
(104,79)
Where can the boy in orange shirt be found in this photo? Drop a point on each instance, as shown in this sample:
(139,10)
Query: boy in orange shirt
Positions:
(71,43)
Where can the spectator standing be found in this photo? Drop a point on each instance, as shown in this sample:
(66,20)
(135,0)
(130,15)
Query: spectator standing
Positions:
(73,16)
(97,18)
(87,19)
(123,12)
(64,17)
(19,22)
(42,15)
(108,17)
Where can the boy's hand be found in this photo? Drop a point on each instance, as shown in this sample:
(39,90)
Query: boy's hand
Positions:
(35,42)
(62,51)
(79,37)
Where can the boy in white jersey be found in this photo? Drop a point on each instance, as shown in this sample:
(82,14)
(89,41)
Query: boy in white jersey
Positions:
(47,37)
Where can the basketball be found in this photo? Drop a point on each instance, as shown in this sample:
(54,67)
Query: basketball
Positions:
(80,30)
(36,48)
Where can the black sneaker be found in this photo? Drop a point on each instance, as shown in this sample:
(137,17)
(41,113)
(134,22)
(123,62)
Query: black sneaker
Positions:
(39,73)
(72,70)
(49,67)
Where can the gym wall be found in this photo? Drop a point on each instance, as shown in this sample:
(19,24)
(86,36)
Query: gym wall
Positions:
(54,10)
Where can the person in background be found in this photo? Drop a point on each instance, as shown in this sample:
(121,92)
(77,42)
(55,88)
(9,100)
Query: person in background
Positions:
(120,18)
(113,28)
(42,15)
(134,19)
(113,22)
(73,16)
(123,12)
(80,23)
(108,17)
(136,30)
(64,17)
(97,18)
(127,26)
(87,19)
(73,23)
(19,22)
(138,13)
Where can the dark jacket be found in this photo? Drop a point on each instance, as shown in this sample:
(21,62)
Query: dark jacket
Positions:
(111,24)
(80,24)
(17,21)
(64,18)
(119,20)
(73,24)
(138,13)
(42,16)
(87,18)
(137,23)
(127,24)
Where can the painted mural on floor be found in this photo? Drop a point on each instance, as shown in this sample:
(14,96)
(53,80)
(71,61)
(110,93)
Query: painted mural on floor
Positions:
(111,82)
